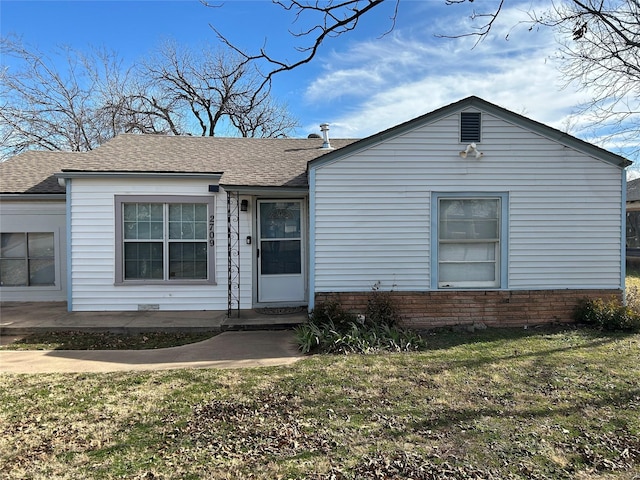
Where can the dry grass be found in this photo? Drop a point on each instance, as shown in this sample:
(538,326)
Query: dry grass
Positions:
(495,404)
(632,280)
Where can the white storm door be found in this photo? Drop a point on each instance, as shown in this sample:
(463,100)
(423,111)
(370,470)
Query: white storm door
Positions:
(280,251)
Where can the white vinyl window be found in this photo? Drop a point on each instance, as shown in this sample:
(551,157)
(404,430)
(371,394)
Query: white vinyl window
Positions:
(164,241)
(469,242)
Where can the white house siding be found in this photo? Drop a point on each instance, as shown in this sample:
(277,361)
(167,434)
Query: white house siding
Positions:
(93,245)
(37,216)
(372,209)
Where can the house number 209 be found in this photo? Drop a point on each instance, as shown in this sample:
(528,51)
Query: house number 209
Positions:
(212,233)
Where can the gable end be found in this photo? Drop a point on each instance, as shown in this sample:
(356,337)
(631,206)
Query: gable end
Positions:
(477,104)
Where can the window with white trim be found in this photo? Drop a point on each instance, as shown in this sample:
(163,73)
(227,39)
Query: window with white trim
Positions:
(469,231)
(27,259)
(163,239)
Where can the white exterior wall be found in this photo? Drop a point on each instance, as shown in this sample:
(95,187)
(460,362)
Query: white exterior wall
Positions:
(372,209)
(93,246)
(37,216)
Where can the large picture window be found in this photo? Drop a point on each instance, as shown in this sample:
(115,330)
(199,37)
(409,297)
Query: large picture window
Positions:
(469,242)
(164,240)
(27,259)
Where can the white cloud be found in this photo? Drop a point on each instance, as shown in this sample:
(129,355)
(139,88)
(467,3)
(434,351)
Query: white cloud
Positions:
(383,82)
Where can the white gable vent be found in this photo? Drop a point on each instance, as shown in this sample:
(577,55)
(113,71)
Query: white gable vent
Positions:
(470,123)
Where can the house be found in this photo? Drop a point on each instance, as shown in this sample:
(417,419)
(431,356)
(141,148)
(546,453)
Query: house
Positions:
(33,214)
(633,222)
(468,213)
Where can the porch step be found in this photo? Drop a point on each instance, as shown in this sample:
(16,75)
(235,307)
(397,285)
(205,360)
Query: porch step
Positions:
(264,322)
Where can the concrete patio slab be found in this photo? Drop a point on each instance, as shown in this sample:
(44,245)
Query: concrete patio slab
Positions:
(19,318)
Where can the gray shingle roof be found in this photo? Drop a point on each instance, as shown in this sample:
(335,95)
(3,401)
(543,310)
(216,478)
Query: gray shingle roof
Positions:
(272,162)
(259,162)
(32,172)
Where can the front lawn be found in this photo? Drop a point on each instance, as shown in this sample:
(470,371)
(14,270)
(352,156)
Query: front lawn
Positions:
(495,404)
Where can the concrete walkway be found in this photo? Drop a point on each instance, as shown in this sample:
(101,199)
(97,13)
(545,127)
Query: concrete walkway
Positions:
(255,339)
(227,350)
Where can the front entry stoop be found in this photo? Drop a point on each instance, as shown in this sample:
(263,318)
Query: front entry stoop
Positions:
(265,319)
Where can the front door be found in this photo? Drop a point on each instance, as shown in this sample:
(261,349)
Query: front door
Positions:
(280,251)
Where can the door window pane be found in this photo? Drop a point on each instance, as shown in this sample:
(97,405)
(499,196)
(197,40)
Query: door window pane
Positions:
(280,257)
(280,220)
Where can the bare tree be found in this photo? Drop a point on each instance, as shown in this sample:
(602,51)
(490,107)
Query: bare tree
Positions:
(213,90)
(74,109)
(84,101)
(600,51)
(262,118)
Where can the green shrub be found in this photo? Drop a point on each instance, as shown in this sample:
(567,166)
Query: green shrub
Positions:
(609,314)
(381,309)
(332,313)
(331,329)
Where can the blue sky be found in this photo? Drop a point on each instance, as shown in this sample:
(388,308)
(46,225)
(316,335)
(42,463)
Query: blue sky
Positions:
(360,83)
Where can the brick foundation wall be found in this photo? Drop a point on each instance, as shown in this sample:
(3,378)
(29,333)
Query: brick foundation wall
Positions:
(424,310)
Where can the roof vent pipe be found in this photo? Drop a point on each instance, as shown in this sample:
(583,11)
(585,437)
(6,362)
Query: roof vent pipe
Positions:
(324,128)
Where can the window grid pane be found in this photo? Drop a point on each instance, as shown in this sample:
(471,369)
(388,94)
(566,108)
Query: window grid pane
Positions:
(187,221)
(13,245)
(42,272)
(188,260)
(13,273)
(143,221)
(143,260)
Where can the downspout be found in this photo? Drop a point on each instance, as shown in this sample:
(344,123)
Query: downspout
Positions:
(312,239)
(66,182)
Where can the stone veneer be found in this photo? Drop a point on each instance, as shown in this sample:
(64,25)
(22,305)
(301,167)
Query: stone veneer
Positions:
(504,308)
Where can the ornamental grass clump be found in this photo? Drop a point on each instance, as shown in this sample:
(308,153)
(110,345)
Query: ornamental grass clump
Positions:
(331,329)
